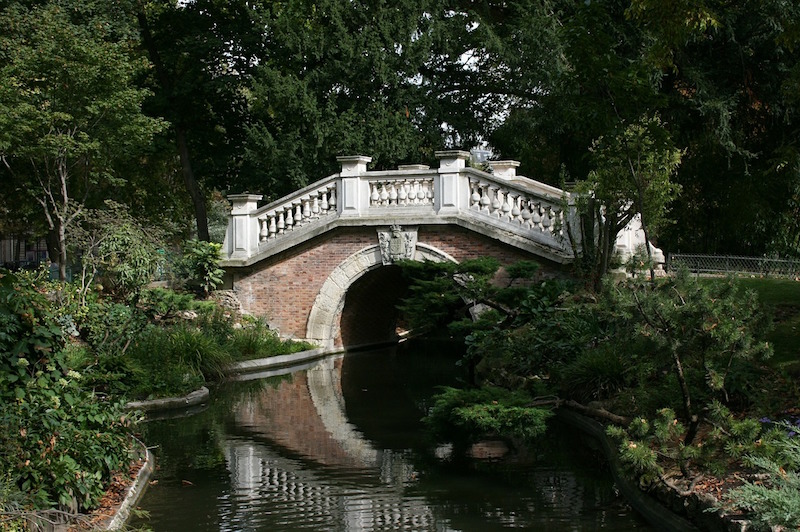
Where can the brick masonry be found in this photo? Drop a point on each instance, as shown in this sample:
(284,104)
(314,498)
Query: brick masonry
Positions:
(283,288)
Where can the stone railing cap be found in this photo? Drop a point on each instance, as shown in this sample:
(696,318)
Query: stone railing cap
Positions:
(452,154)
(504,164)
(244,197)
(354,159)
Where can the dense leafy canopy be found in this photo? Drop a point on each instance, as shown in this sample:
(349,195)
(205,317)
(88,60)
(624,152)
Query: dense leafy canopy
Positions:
(262,96)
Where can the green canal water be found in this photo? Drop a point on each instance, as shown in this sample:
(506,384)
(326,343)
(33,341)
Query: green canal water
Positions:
(339,446)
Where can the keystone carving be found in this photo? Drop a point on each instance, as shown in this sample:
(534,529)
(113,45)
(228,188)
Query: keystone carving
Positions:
(397,244)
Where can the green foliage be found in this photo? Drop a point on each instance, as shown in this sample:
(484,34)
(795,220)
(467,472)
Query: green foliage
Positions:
(644,440)
(257,340)
(474,413)
(777,501)
(694,331)
(116,250)
(442,292)
(632,175)
(198,268)
(110,327)
(71,111)
(61,442)
(165,306)
(596,374)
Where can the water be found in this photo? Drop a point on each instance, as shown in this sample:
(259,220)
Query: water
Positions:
(340,447)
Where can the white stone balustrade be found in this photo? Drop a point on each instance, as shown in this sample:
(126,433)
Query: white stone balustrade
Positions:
(298,210)
(502,205)
(515,205)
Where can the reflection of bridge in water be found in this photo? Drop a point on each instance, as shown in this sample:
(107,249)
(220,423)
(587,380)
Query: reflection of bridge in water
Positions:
(298,436)
(305,416)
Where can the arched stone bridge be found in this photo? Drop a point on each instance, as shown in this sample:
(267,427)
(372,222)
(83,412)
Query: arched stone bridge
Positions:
(319,263)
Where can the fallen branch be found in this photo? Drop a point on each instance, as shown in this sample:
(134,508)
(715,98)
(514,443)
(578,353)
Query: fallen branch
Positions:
(600,413)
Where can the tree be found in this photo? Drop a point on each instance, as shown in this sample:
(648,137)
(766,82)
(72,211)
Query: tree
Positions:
(339,78)
(202,54)
(696,332)
(631,178)
(69,111)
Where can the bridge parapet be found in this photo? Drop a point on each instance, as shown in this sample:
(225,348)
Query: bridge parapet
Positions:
(514,209)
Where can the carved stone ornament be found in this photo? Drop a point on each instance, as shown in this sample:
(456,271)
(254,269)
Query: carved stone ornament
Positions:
(397,244)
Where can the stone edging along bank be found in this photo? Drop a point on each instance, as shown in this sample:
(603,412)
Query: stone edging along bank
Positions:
(248,366)
(133,492)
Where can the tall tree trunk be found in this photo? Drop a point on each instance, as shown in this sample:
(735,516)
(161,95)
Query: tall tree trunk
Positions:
(199,202)
(62,251)
(192,187)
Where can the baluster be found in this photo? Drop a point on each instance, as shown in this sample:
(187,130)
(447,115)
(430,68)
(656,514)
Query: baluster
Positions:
(263,233)
(526,213)
(384,194)
(485,201)
(506,208)
(289,219)
(281,223)
(429,192)
(475,199)
(495,200)
(392,194)
(403,195)
(298,213)
(315,207)
(273,228)
(515,210)
(332,200)
(536,218)
(546,221)
(375,196)
(307,208)
(324,206)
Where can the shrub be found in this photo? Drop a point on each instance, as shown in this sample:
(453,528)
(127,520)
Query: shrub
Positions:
(469,414)
(198,269)
(776,502)
(157,366)
(60,442)
(596,374)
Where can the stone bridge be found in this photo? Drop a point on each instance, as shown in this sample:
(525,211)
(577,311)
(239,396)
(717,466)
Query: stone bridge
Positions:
(319,263)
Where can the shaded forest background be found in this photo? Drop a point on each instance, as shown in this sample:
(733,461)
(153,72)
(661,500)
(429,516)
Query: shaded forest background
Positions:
(165,107)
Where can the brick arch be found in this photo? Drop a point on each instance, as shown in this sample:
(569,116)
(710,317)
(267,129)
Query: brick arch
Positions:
(323,320)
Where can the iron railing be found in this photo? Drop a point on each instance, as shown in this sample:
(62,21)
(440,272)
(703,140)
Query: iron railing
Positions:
(728,264)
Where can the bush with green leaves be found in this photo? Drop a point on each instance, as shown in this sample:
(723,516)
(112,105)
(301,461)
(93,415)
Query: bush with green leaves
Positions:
(595,374)
(116,249)
(256,340)
(642,443)
(470,414)
(198,267)
(60,441)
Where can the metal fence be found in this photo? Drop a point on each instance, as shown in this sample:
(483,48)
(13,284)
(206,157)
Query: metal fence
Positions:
(724,264)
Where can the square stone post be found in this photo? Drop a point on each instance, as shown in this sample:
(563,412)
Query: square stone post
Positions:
(353,197)
(451,190)
(504,169)
(241,238)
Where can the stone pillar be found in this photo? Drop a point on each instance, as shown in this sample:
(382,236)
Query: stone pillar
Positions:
(504,169)
(242,236)
(354,196)
(451,190)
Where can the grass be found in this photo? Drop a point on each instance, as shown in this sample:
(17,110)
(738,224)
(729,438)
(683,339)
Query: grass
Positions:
(782,298)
